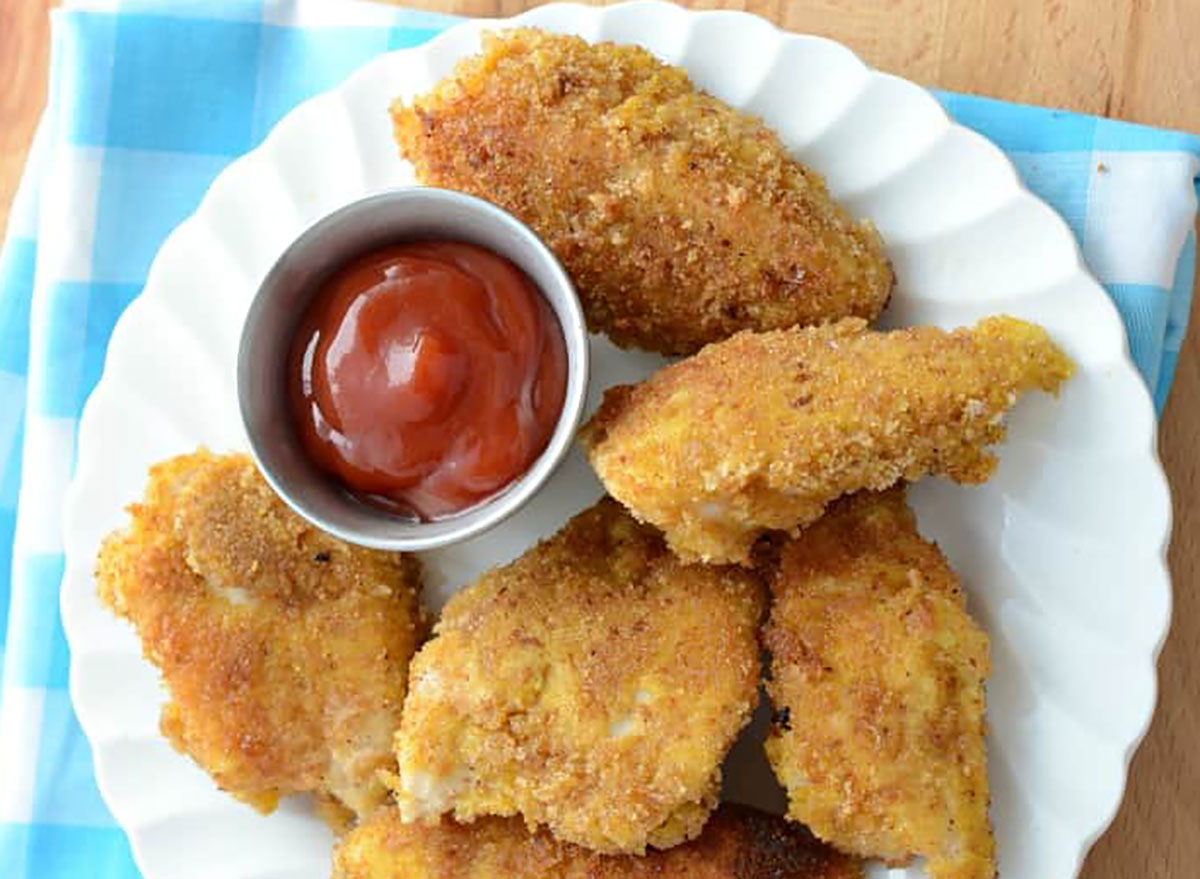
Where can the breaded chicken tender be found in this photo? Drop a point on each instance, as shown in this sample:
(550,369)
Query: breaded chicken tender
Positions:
(592,686)
(285,651)
(877,680)
(762,431)
(737,843)
(680,219)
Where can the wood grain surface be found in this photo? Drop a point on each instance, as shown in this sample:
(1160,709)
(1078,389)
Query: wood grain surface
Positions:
(1132,59)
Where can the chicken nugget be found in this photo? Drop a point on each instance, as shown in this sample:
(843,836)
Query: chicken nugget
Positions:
(737,843)
(284,650)
(762,431)
(680,219)
(877,680)
(592,686)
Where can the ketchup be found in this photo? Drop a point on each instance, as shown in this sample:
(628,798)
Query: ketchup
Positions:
(427,376)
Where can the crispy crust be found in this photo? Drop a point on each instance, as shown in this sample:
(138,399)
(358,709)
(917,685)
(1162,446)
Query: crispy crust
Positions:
(878,688)
(680,219)
(594,686)
(764,430)
(285,651)
(737,843)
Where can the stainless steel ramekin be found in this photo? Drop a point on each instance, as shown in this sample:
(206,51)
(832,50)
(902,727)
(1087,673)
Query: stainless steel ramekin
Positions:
(412,214)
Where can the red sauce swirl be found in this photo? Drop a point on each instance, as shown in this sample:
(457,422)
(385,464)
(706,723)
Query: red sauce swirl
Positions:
(427,376)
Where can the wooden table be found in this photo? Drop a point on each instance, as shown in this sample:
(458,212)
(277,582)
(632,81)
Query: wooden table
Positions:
(1132,59)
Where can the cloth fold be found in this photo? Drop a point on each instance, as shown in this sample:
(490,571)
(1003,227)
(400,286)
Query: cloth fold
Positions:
(149,100)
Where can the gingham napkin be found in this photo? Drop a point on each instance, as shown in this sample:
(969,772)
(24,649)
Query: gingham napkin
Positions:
(149,101)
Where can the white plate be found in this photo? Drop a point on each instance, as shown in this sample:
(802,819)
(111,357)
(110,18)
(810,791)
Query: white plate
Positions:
(1062,552)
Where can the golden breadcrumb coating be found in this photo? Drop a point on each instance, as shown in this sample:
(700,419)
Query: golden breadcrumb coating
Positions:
(593,686)
(680,219)
(877,678)
(762,431)
(285,651)
(737,843)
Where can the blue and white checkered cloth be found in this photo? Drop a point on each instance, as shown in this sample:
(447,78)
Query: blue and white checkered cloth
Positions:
(149,100)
